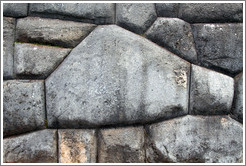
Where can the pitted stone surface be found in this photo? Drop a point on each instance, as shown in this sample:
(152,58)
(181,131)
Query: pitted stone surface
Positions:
(121,145)
(35,147)
(175,35)
(211,92)
(51,31)
(37,61)
(15,9)
(209,139)
(220,46)
(167,9)
(135,17)
(116,77)
(23,106)
(97,13)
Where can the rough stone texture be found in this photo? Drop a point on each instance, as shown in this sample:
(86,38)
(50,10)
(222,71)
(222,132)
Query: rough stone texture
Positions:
(175,35)
(8,42)
(237,108)
(220,46)
(211,92)
(121,145)
(167,9)
(135,16)
(23,106)
(116,77)
(51,31)
(77,146)
(97,13)
(209,139)
(37,61)
(211,12)
(15,9)
(36,147)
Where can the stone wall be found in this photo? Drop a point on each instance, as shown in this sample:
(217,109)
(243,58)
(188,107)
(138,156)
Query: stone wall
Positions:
(145,83)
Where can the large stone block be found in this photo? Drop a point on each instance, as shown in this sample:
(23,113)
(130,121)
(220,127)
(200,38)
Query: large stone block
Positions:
(15,9)
(167,9)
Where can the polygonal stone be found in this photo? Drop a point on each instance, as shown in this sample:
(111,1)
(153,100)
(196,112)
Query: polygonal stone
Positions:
(37,61)
(175,35)
(15,9)
(211,92)
(97,13)
(135,17)
(77,146)
(211,12)
(23,106)
(35,147)
(115,77)
(220,46)
(121,145)
(167,9)
(209,139)
(51,31)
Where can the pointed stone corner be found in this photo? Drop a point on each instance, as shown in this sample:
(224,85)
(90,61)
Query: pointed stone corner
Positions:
(175,35)
(206,139)
(211,92)
(116,77)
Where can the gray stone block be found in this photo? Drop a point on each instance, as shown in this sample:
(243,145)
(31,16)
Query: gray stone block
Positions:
(211,92)
(205,139)
(23,106)
(175,35)
(35,147)
(51,31)
(135,17)
(116,77)
(15,9)
(167,9)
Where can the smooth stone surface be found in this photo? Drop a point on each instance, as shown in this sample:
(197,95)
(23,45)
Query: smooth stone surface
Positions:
(205,139)
(167,9)
(175,35)
(97,13)
(116,77)
(23,106)
(37,61)
(211,12)
(15,9)
(35,147)
(211,92)
(220,46)
(8,49)
(121,145)
(136,17)
(51,31)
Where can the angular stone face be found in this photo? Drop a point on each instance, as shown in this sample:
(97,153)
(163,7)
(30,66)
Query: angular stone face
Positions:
(211,92)
(167,9)
(121,145)
(135,16)
(97,13)
(217,139)
(220,46)
(51,31)
(175,35)
(77,146)
(37,61)
(15,9)
(23,106)
(116,77)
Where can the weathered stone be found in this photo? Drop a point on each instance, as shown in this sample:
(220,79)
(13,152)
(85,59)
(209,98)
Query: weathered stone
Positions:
(167,9)
(211,12)
(209,139)
(211,92)
(121,145)
(77,146)
(220,46)
(135,17)
(51,31)
(115,77)
(15,9)
(23,106)
(175,35)
(37,61)
(35,147)
(8,42)
(97,13)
